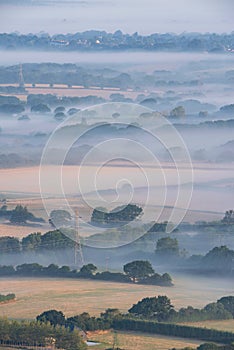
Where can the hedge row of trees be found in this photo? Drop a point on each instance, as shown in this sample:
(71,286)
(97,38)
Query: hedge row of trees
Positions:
(89,271)
(31,333)
(112,318)
(170,329)
(8,297)
(154,310)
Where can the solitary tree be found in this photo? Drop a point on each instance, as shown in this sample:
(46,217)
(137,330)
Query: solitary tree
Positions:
(88,270)
(167,246)
(54,317)
(138,269)
(154,307)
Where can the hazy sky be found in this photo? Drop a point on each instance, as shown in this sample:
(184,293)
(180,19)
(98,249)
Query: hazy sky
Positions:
(146,16)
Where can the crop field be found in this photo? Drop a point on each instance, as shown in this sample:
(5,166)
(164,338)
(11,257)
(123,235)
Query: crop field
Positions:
(140,341)
(35,295)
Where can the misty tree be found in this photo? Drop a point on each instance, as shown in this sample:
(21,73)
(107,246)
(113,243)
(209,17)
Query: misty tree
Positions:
(40,108)
(167,246)
(228,303)
(60,218)
(177,112)
(20,215)
(228,217)
(9,245)
(31,242)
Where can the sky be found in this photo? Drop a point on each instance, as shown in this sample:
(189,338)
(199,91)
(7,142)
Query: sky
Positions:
(145,17)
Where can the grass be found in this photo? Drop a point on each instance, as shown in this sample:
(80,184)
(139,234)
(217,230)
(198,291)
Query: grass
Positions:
(222,325)
(139,341)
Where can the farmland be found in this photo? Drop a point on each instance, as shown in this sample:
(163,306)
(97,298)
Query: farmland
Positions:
(35,295)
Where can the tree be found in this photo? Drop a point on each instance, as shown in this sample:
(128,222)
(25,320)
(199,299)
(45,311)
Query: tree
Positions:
(177,112)
(88,270)
(31,242)
(138,269)
(228,217)
(33,269)
(229,109)
(59,218)
(9,245)
(154,307)
(228,303)
(42,108)
(219,259)
(167,246)
(54,317)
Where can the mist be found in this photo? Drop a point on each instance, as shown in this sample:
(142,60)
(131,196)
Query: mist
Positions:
(130,16)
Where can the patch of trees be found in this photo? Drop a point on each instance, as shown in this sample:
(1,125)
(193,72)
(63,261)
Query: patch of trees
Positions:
(27,333)
(83,321)
(121,214)
(160,309)
(19,215)
(7,297)
(36,242)
(86,271)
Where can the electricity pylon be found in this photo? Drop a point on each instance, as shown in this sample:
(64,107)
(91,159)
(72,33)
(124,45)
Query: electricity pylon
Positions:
(78,254)
(21,77)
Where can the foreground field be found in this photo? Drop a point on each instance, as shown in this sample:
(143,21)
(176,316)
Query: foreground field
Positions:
(35,295)
(140,341)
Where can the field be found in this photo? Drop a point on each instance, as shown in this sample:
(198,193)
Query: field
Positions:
(223,325)
(36,295)
(140,341)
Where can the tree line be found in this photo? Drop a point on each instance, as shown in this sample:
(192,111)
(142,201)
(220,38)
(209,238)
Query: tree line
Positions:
(151,315)
(138,271)
(101,40)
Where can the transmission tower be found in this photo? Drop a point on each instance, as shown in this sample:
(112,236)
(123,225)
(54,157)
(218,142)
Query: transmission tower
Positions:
(78,254)
(21,77)
(115,345)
